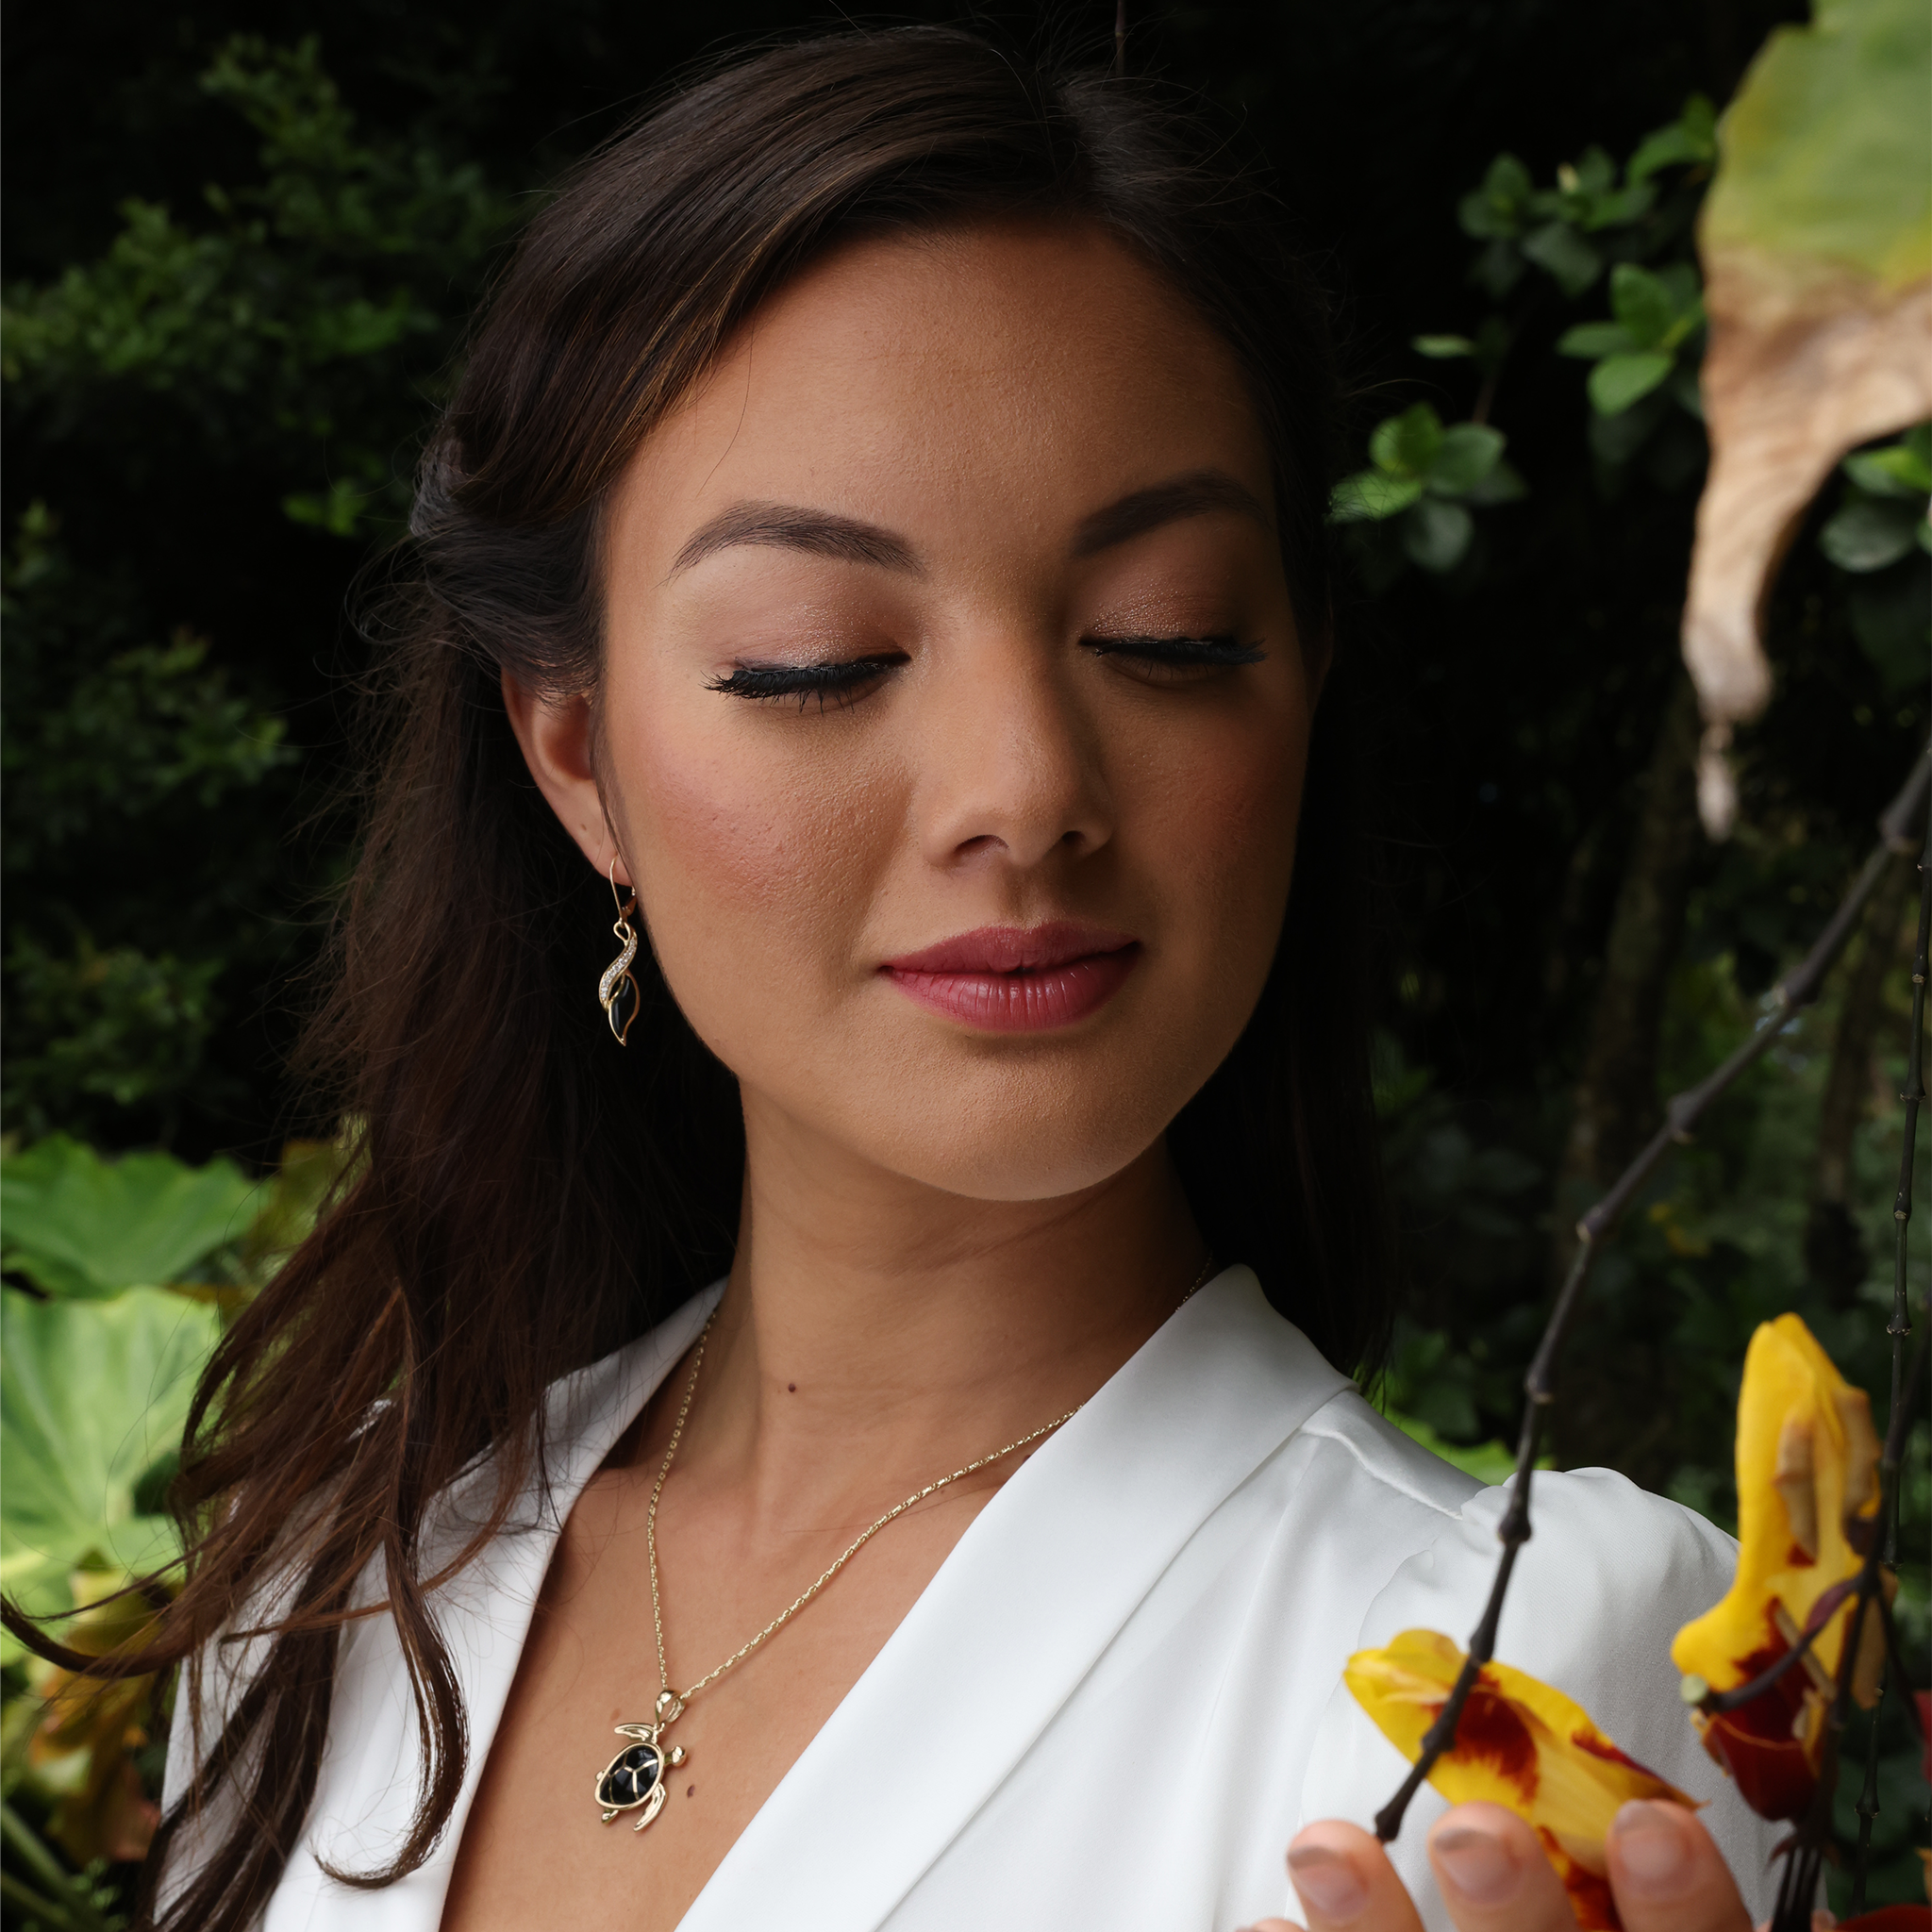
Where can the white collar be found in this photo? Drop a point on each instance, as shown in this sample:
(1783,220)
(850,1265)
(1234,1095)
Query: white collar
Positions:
(1021,1609)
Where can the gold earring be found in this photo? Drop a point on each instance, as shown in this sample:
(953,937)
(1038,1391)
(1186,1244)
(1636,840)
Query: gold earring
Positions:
(617,976)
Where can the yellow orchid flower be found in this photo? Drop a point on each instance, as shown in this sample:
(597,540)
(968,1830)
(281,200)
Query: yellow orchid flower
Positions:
(1519,1744)
(1808,1509)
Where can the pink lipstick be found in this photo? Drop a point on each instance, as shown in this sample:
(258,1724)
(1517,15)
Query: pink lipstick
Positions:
(1019,979)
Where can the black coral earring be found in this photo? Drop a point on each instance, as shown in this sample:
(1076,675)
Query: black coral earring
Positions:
(617,992)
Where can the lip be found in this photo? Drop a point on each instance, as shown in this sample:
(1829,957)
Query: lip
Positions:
(1019,979)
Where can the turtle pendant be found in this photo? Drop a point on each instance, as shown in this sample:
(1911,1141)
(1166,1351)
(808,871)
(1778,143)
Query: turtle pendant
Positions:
(634,1779)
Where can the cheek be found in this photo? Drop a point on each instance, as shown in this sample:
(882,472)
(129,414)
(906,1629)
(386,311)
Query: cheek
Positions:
(752,866)
(1222,832)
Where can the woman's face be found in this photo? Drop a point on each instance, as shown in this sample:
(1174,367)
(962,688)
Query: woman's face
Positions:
(954,718)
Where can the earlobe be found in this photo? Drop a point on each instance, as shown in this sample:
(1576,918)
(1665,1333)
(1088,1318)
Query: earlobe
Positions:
(555,737)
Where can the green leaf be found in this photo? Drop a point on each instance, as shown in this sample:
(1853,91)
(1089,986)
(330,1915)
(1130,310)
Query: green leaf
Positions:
(1436,535)
(1502,485)
(1370,496)
(1469,452)
(1595,340)
(1443,348)
(1405,445)
(1495,211)
(78,1226)
(1595,174)
(1827,148)
(1642,303)
(1870,532)
(1689,141)
(1897,470)
(1618,381)
(1558,248)
(93,1394)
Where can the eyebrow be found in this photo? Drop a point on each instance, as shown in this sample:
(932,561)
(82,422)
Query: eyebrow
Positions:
(782,526)
(846,540)
(1200,492)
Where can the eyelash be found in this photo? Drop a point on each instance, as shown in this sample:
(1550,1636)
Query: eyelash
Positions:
(1184,653)
(844,683)
(839,684)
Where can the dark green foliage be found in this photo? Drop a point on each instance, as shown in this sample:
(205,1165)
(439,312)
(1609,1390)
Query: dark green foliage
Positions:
(266,357)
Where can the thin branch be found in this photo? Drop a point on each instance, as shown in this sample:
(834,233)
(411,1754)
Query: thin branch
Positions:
(1797,990)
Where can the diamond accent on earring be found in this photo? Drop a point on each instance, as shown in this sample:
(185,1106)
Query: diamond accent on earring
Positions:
(618,967)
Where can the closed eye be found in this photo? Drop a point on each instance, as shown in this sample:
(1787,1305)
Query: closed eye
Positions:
(839,683)
(1175,660)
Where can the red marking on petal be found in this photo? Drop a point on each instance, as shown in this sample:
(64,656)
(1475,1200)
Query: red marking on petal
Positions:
(1601,1747)
(1591,1897)
(1774,1777)
(1770,1714)
(1491,1732)
(1891,1918)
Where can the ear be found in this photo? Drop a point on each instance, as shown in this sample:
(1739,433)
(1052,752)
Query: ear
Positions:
(555,736)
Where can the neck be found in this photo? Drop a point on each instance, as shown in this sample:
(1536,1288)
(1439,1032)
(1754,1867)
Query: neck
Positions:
(875,1332)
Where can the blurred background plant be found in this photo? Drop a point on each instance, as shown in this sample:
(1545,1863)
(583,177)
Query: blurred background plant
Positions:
(240,247)
(120,1274)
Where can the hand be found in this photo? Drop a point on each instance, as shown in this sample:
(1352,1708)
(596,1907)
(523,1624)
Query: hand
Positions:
(1665,1874)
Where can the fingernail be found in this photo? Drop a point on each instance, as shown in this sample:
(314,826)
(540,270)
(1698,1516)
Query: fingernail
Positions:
(1327,1882)
(1653,1847)
(1478,1865)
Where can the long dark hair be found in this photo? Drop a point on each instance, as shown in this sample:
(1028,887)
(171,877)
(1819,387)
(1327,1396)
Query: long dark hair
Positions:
(525,1197)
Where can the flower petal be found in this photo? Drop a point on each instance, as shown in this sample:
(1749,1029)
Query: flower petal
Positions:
(1807,1505)
(1520,1743)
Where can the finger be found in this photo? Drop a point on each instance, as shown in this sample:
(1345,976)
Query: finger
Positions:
(1343,1877)
(1667,1876)
(1493,1873)
(1272,1925)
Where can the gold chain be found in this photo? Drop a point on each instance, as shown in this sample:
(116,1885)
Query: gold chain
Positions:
(677,1700)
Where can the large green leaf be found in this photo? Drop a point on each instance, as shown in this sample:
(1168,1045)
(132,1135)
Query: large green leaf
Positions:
(92,1396)
(79,1225)
(1827,149)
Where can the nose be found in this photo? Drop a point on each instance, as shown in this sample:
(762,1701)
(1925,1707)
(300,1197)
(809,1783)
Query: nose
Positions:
(1010,772)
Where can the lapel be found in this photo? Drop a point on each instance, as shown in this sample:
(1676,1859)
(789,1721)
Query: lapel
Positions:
(368,1787)
(1030,1597)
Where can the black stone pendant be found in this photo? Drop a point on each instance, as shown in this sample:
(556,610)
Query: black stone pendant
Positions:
(634,1779)
(630,1778)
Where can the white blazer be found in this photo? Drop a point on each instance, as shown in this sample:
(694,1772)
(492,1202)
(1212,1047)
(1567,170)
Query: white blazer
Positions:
(1120,1695)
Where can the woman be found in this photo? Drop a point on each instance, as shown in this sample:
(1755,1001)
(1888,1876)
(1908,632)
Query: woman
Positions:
(874,550)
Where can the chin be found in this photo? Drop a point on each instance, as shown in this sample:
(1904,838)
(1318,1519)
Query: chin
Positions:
(1017,1138)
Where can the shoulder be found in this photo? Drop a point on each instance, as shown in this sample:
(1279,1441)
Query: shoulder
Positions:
(1608,1576)
(1347,1432)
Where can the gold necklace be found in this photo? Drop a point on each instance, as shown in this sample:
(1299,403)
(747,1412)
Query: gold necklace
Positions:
(634,1779)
